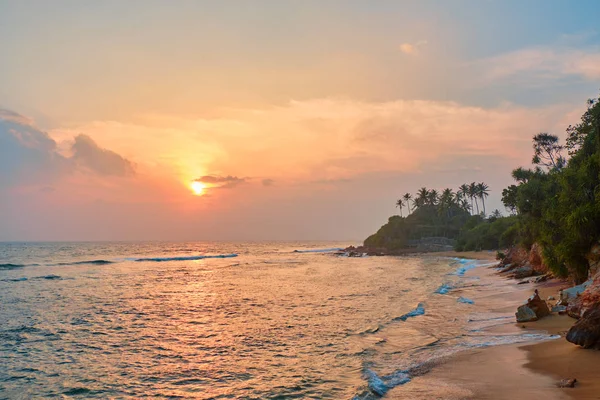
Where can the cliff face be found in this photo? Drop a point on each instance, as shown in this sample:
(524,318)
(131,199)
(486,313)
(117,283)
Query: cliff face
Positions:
(521,263)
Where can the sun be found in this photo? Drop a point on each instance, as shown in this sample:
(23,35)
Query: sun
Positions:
(198,188)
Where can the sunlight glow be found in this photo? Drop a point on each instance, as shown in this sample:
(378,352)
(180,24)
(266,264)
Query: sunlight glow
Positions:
(198,188)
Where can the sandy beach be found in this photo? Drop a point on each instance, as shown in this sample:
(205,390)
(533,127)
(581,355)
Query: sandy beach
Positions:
(516,371)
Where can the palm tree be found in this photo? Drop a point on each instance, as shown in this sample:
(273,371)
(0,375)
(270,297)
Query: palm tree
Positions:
(433,197)
(422,197)
(473,195)
(464,204)
(447,200)
(464,192)
(496,214)
(400,204)
(482,193)
(407,197)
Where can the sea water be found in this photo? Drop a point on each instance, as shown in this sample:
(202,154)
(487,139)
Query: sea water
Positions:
(231,320)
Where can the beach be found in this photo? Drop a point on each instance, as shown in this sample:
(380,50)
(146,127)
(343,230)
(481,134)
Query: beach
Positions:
(513,371)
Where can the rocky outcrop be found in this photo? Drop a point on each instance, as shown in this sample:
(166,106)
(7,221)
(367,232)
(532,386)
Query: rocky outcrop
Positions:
(535,259)
(515,257)
(520,263)
(534,309)
(578,299)
(586,331)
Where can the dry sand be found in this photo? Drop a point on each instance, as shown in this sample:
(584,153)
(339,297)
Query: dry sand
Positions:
(518,371)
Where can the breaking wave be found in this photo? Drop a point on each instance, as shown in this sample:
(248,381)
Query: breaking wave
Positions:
(331,250)
(184,258)
(11,266)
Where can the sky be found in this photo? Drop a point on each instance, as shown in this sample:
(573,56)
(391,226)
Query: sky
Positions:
(300,119)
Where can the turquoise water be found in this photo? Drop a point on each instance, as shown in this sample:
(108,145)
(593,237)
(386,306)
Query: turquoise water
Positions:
(223,320)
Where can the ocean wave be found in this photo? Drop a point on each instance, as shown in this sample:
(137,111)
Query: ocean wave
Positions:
(11,266)
(421,362)
(184,258)
(14,279)
(465,300)
(444,289)
(331,250)
(85,262)
(420,310)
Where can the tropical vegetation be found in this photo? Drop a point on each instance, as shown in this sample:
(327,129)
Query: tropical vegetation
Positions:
(554,203)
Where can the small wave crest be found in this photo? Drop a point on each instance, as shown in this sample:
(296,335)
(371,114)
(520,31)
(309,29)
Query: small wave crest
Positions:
(330,250)
(420,310)
(11,266)
(184,258)
(444,289)
(84,262)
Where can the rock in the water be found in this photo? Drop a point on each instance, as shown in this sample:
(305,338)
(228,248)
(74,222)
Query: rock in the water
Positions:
(566,383)
(534,309)
(586,331)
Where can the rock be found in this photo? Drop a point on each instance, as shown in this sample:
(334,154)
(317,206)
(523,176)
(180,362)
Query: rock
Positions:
(566,383)
(586,331)
(541,278)
(534,309)
(551,298)
(572,292)
(524,281)
(523,272)
(574,307)
(559,309)
(525,314)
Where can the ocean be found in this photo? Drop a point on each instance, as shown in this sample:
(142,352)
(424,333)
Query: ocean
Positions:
(233,320)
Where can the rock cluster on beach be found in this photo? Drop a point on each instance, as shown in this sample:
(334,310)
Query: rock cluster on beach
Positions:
(586,307)
(581,302)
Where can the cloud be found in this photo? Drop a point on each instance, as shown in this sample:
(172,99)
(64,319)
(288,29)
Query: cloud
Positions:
(29,156)
(88,154)
(542,63)
(410,48)
(268,182)
(222,182)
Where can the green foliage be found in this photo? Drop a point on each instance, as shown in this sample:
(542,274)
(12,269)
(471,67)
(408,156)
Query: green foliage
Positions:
(485,234)
(426,221)
(558,202)
(555,204)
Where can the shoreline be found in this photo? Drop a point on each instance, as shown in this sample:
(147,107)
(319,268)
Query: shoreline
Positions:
(513,371)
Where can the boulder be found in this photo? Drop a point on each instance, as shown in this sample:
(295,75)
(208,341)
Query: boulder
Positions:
(534,309)
(525,314)
(523,272)
(586,331)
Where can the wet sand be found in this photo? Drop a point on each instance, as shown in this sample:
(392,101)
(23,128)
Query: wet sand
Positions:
(517,371)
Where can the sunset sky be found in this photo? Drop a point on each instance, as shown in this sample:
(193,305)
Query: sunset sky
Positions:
(301,119)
